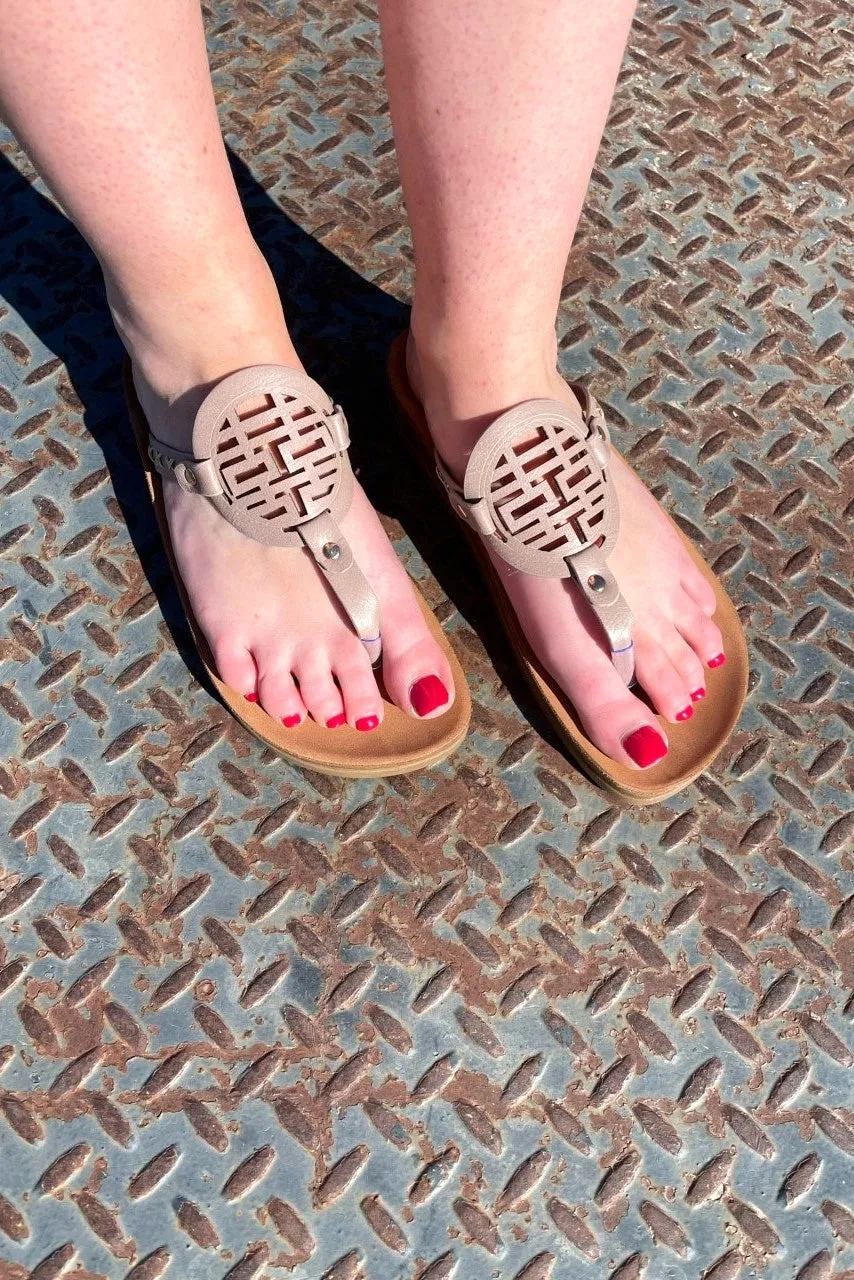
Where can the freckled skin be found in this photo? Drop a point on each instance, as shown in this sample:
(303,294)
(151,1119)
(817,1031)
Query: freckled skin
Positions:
(494,185)
(498,110)
(113,100)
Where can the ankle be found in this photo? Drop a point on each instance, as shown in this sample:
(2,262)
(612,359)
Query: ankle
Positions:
(185,337)
(465,378)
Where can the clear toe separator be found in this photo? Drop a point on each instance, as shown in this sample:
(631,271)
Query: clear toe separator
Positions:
(270,452)
(537,488)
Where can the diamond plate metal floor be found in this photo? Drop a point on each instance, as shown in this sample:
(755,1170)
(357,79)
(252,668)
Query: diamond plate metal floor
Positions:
(477,1022)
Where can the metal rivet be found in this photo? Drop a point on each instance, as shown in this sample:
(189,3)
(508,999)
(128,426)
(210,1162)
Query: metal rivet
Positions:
(596,582)
(331,550)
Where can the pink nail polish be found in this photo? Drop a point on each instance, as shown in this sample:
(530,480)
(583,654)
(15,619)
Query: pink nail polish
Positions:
(717,661)
(290,721)
(336,721)
(685,714)
(251,697)
(427,694)
(367,723)
(698,694)
(645,746)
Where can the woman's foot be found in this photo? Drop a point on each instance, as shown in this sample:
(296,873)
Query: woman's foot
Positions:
(675,639)
(274,629)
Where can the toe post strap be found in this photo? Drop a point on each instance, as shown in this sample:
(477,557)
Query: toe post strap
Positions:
(269,451)
(538,490)
(334,558)
(589,570)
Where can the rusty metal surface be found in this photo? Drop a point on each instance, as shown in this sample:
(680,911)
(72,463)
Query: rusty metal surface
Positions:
(476,1022)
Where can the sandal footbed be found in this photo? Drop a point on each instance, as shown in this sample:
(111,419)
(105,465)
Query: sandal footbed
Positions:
(401,743)
(692,745)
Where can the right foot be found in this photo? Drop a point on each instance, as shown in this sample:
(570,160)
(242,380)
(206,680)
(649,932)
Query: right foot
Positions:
(675,638)
(275,630)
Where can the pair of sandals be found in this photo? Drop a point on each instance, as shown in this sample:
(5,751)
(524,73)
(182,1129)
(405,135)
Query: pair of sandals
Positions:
(269,450)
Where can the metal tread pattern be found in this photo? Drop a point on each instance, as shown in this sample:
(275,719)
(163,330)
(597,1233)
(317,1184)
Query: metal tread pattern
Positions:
(476,1023)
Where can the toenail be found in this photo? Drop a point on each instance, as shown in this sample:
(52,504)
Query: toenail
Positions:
(698,694)
(685,714)
(717,661)
(645,746)
(251,697)
(290,721)
(366,723)
(336,721)
(427,694)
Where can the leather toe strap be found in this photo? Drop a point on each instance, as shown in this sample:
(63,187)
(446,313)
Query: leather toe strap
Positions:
(334,558)
(599,587)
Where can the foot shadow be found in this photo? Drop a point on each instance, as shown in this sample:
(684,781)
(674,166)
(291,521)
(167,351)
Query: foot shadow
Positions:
(342,326)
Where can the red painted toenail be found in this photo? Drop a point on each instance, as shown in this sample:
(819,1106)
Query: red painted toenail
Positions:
(698,694)
(685,714)
(427,694)
(290,721)
(336,721)
(366,723)
(251,697)
(717,661)
(645,746)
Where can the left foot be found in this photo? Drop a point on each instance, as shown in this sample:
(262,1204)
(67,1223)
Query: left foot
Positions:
(674,636)
(274,628)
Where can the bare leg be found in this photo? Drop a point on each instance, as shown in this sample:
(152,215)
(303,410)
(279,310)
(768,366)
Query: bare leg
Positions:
(498,111)
(113,100)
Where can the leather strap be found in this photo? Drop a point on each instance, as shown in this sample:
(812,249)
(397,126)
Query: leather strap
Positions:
(334,558)
(270,452)
(537,488)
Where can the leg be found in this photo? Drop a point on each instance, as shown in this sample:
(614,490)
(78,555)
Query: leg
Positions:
(498,111)
(113,100)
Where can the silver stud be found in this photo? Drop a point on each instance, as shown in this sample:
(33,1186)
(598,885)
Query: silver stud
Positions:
(331,550)
(596,582)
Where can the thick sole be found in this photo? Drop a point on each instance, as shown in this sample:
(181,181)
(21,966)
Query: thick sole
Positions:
(401,743)
(693,745)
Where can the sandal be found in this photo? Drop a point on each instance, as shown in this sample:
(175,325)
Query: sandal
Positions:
(291,490)
(571,539)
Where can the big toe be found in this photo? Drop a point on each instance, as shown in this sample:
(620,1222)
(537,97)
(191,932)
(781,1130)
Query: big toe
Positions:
(416,673)
(617,722)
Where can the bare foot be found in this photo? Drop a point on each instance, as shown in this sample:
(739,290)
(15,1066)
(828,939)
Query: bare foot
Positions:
(675,638)
(274,629)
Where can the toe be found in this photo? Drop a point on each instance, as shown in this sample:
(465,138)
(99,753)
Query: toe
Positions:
(279,695)
(416,673)
(236,667)
(691,670)
(318,689)
(614,719)
(418,678)
(699,589)
(668,690)
(363,705)
(700,632)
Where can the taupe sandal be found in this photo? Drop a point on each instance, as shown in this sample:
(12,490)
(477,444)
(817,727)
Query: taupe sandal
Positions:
(550,509)
(270,452)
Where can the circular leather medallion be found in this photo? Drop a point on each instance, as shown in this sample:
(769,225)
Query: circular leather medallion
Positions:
(544,487)
(272,443)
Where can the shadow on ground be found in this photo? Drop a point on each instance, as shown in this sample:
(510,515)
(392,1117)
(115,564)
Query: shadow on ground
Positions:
(341,324)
